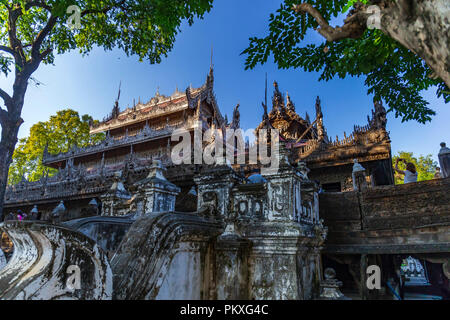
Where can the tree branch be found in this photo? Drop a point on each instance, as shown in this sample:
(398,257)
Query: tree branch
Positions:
(45,53)
(39,4)
(15,44)
(36,47)
(354,25)
(7,49)
(5,96)
(3,116)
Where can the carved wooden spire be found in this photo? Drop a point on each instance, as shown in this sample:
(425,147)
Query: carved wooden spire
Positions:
(116,110)
(289,104)
(277,100)
(235,124)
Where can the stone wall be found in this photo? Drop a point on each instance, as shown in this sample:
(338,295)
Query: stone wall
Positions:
(414,217)
(246,241)
(168,262)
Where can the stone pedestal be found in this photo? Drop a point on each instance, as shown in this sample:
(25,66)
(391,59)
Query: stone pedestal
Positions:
(329,287)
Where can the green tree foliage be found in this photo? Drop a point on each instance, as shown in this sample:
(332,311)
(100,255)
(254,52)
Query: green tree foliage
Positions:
(61,132)
(392,73)
(146,28)
(425,166)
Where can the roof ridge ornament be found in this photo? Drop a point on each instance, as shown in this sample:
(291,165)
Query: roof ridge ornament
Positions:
(289,104)
(116,109)
(318,107)
(278,106)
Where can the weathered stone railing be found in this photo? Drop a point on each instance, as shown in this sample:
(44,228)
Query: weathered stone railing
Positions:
(107,232)
(415,215)
(169,262)
(45,262)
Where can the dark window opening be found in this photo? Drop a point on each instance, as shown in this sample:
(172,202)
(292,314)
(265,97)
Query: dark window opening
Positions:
(332,187)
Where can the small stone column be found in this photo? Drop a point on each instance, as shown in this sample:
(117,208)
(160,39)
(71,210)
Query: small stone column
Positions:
(114,197)
(329,288)
(444,160)
(58,212)
(2,260)
(93,207)
(159,193)
(359,176)
(34,213)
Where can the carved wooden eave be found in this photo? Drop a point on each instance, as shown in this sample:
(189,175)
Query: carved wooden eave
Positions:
(158,106)
(367,143)
(344,155)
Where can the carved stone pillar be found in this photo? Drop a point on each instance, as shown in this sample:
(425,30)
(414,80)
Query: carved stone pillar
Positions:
(214,185)
(159,193)
(287,236)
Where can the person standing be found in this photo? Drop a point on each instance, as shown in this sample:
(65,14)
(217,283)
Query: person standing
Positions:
(10,217)
(410,173)
(20,215)
(437,174)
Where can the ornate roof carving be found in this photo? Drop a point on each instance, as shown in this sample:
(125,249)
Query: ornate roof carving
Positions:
(369,141)
(284,118)
(161,105)
(309,141)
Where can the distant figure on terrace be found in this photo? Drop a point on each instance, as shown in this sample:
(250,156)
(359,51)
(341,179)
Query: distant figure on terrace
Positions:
(10,217)
(410,172)
(437,174)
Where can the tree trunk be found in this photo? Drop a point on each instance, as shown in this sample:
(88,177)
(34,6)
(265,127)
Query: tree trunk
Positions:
(10,123)
(422,26)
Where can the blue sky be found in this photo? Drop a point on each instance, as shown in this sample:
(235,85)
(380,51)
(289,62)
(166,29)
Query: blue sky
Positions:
(90,84)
